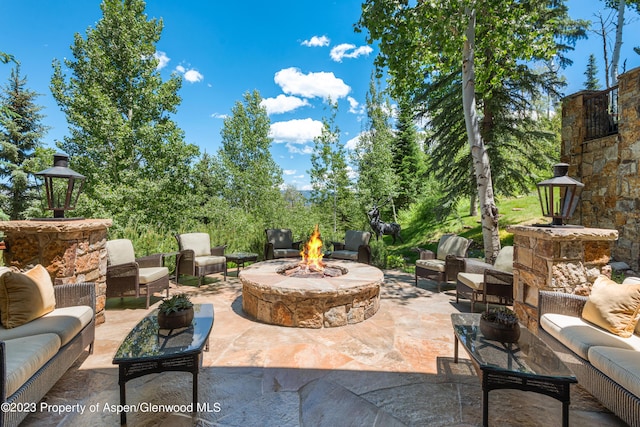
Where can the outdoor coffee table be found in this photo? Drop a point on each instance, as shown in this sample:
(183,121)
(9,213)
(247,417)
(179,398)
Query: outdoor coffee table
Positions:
(241,258)
(528,365)
(149,350)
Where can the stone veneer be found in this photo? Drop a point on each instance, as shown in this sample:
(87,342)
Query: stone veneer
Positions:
(71,250)
(557,259)
(608,167)
(270,297)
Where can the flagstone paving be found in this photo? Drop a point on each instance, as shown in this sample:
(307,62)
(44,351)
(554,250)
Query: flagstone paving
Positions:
(394,369)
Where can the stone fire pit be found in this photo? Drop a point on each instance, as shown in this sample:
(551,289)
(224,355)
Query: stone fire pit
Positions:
(271,297)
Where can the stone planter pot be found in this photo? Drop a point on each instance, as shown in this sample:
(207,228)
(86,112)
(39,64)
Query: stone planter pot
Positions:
(175,320)
(499,332)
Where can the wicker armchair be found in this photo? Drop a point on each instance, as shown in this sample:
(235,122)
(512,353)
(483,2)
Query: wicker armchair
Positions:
(131,276)
(280,244)
(197,257)
(354,248)
(487,283)
(444,265)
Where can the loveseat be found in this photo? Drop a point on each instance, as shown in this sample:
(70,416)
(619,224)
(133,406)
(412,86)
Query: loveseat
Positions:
(35,355)
(605,363)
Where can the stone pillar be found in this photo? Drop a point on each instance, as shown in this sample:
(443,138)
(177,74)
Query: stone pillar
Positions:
(557,259)
(72,251)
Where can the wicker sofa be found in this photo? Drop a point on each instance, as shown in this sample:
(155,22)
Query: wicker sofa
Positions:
(604,364)
(34,356)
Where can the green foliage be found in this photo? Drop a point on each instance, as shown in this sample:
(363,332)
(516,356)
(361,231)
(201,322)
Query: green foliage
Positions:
(408,159)
(118,109)
(591,73)
(395,261)
(21,133)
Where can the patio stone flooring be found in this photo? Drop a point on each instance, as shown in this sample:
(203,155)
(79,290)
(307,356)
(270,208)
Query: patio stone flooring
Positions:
(394,369)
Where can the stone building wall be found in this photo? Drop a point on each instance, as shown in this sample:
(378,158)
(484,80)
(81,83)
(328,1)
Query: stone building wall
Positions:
(608,167)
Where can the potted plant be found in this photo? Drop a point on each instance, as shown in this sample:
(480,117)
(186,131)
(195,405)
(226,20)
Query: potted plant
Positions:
(500,324)
(175,312)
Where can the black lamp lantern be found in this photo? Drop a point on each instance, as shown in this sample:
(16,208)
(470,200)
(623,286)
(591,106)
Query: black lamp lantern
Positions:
(63,185)
(559,195)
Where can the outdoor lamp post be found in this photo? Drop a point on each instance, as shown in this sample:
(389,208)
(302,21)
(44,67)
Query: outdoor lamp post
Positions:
(559,195)
(63,185)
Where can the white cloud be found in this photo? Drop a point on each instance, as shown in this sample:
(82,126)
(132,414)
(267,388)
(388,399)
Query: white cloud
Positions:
(296,131)
(192,76)
(289,171)
(348,50)
(295,149)
(354,106)
(282,104)
(219,116)
(316,41)
(311,85)
(353,142)
(162,58)
(180,69)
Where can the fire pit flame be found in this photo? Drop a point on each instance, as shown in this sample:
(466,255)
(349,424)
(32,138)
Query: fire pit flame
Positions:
(312,253)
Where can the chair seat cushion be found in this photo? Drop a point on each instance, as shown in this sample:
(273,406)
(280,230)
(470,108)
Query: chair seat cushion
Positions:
(209,260)
(348,255)
(65,322)
(25,356)
(472,280)
(621,365)
(286,253)
(431,264)
(579,336)
(151,274)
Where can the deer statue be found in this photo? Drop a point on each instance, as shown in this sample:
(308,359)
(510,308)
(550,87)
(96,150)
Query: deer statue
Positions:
(381,228)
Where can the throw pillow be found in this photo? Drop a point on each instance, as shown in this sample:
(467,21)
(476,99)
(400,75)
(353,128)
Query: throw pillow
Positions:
(25,296)
(613,307)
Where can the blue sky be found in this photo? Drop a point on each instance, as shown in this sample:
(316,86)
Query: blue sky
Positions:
(296,53)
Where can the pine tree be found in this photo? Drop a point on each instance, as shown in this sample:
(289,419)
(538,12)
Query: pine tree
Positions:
(21,132)
(408,160)
(591,73)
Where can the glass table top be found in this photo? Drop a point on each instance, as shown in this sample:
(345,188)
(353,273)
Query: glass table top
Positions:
(529,356)
(147,341)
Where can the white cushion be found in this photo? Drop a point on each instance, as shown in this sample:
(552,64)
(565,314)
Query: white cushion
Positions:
(431,264)
(25,356)
(65,322)
(633,281)
(472,280)
(349,255)
(450,244)
(151,274)
(619,364)
(209,260)
(579,336)
(504,260)
(354,239)
(286,253)
(199,243)
(120,251)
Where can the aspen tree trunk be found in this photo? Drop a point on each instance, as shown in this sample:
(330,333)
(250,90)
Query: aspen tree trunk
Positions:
(615,57)
(481,165)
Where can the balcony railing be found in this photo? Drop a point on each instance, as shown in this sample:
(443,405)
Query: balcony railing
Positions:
(601,113)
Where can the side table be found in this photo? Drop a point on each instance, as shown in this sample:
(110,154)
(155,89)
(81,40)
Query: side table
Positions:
(240,258)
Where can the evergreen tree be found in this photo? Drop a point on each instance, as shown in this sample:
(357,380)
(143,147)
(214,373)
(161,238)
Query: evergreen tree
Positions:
(408,160)
(251,176)
(591,73)
(119,111)
(21,133)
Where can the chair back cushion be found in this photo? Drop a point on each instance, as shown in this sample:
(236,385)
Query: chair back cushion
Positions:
(504,260)
(199,243)
(120,251)
(354,239)
(281,238)
(450,244)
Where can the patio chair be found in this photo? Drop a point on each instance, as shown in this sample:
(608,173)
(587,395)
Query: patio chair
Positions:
(487,283)
(131,276)
(197,258)
(280,244)
(354,248)
(444,265)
